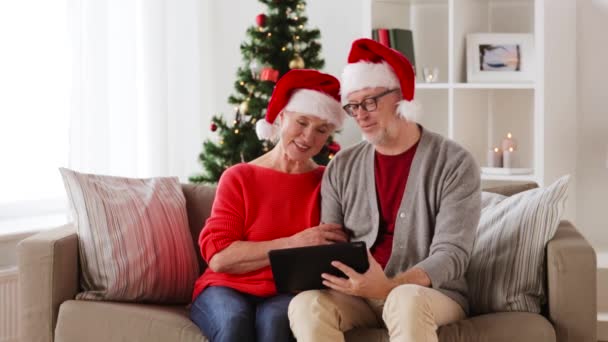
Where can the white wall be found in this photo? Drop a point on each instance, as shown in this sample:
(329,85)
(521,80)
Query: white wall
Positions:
(560,101)
(228,26)
(592,80)
(576,86)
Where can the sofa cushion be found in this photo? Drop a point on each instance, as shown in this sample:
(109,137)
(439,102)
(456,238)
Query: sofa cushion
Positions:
(498,327)
(507,270)
(134,240)
(511,189)
(108,321)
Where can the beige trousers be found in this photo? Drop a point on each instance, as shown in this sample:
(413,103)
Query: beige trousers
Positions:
(411,313)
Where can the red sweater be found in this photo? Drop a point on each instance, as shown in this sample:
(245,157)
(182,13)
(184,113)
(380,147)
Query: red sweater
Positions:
(255,203)
(391,174)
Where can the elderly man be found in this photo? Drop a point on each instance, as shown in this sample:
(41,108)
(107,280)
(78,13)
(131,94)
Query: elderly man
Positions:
(411,195)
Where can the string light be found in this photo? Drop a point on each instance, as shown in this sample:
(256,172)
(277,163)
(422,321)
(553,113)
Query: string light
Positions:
(297,37)
(242,83)
(301,27)
(269,34)
(236,131)
(283,49)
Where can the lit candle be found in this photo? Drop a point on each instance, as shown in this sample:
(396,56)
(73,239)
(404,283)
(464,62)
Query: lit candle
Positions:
(509,142)
(509,158)
(495,157)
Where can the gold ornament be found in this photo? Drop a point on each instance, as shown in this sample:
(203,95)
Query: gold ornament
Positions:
(296,63)
(244,107)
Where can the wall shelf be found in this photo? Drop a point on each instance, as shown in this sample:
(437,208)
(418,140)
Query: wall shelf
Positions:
(476,115)
(509,178)
(494,85)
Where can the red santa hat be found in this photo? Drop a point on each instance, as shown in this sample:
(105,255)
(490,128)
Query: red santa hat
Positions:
(372,65)
(304,91)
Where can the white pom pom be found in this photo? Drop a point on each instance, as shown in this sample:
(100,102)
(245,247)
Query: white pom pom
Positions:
(265,130)
(409,110)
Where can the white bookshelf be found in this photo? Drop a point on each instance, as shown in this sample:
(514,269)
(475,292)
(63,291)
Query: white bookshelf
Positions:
(477,115)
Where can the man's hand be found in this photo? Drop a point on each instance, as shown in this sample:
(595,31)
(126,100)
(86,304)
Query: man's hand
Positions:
(372,284)
(323,234)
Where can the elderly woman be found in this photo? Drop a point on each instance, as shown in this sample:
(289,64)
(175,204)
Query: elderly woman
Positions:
(269,203)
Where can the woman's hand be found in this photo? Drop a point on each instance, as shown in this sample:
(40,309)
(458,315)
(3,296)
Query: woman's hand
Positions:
(323,234)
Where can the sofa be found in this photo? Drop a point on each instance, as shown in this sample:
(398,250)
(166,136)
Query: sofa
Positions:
(49,280)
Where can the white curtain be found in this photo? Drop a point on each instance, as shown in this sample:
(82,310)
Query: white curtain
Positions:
(136,105)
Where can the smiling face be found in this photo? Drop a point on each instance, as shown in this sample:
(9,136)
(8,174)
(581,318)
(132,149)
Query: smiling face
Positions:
(381,124)
(302,136)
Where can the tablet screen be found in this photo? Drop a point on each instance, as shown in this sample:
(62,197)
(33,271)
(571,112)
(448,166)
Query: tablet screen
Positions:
(299,269)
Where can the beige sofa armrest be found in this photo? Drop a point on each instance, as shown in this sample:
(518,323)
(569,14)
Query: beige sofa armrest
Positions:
(571,273)
(48,276)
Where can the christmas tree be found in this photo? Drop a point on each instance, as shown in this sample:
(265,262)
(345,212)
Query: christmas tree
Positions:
(279,42)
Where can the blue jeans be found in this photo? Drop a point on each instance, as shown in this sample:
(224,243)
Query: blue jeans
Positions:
(224,314)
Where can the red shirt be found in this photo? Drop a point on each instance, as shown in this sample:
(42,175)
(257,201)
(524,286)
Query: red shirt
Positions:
(255,203)
(391,174)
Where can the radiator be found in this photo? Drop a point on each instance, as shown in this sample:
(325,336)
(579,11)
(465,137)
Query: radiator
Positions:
(8,304)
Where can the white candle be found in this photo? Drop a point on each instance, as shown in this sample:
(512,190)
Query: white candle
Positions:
(509,158)
(509,142)
(495,157)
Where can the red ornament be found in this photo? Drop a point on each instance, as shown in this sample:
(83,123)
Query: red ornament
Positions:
(269,74)
(261,20)
(334,147)
(213,127)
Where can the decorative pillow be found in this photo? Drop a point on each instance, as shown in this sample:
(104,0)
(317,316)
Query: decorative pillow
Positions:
(507,267)
(134,240)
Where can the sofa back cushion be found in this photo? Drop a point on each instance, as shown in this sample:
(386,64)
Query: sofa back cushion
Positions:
(511,189)
(133,236)
(199,200)
(507,267)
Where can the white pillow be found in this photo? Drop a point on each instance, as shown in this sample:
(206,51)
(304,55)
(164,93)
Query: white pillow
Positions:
(507,267)
(134,240)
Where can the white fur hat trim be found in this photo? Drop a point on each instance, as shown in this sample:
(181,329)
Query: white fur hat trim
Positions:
(266,130)
(315,103)
(409,110)
(361,75)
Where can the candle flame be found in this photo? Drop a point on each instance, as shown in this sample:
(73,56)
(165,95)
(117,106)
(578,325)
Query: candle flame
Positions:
(509,135)
(510,149)
(495,149)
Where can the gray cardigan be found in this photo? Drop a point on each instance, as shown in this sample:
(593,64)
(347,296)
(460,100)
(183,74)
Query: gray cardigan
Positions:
(438,216)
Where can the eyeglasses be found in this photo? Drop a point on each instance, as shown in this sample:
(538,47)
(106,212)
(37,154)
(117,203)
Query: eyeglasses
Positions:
(369,104)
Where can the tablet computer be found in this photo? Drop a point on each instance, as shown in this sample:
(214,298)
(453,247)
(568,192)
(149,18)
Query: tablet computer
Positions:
(299,269)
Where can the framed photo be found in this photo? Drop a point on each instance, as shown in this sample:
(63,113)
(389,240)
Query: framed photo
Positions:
(500,57)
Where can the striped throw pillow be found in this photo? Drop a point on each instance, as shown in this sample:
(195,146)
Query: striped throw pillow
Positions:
(134,240)
(507,270)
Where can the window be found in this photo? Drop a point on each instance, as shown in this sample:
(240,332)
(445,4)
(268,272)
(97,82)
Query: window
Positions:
(35,79)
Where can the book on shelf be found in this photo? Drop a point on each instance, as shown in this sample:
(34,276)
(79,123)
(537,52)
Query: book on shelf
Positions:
(399,39)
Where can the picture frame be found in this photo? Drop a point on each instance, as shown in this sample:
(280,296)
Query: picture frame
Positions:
(500,57)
